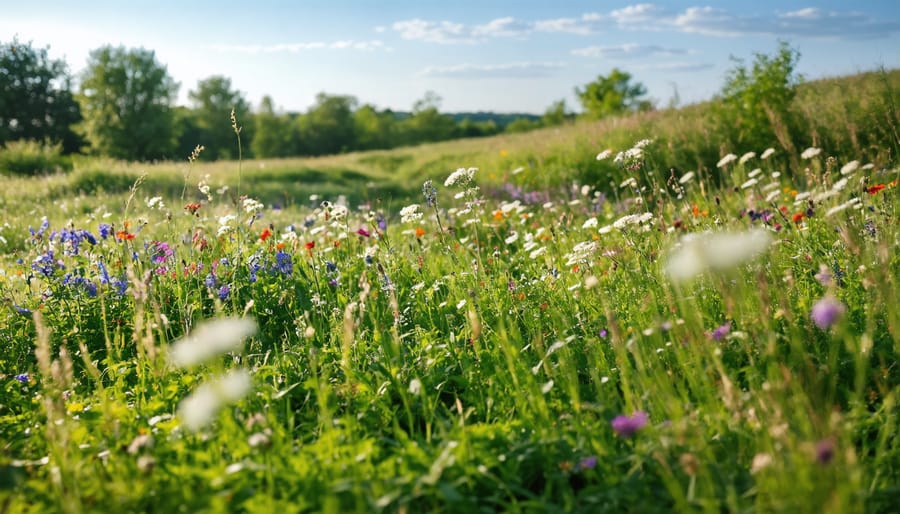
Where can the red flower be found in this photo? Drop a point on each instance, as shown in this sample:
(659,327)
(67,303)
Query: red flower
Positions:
(266,234)
(124,235)
(310,245)
(192,207)
(797,217)
(875,189)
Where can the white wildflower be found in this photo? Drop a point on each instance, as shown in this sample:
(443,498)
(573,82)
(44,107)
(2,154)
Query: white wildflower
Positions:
(582,252)
(642,143)
(755,172)
(629,182)
(767,153)
(537,253)
(750,183)
(849,168)
(687,177)
(726,160)
(590,223)
(156,203)
(840,184)
(604,154)
(210,339)
(810,152)
(225,224)
(410,213)
(198,410)
(252,206)
(746,157)
(715,251)
(512,238)
(461,304)
(461,176)
(415,386)
(773,195)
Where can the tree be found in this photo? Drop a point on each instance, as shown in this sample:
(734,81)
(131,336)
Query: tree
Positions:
(36,101)
(556,114)
(427,123)
(126,98)
(756,102)
(374,129)
(272,132)
(328,128)
(212,103)
(612,94)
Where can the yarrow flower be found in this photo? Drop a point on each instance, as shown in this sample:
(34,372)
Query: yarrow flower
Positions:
(604,154)
(627,426)
(726,160)
(461,176)
(746,157)
(410,213)
(767,153)
(810,152)
(826,312)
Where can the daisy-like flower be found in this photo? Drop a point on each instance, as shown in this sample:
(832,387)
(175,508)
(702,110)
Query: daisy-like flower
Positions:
(717,251)
(724,161)
(198,410)
(810,152)
(210,339)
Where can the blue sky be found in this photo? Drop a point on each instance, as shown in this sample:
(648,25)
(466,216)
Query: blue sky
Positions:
(506,56)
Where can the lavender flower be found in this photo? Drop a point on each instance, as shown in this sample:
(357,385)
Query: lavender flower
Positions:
(588,462)
(826,312)
(626,426)
(721,331)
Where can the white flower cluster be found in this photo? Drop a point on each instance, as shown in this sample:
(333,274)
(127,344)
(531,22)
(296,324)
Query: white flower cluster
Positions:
(810,152)
(410,213)
(252,206)
(728,159)
(582,253)
(225,224)
(156,203)
(461,176)
(717,251)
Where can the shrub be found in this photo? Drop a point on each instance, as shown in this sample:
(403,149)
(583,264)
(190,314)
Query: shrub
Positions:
(27,157)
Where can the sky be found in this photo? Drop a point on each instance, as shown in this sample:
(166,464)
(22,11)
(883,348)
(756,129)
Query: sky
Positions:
(477,55)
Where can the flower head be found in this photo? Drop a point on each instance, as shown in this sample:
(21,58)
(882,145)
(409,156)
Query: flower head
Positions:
(626,426)
(210,339)
(826,312)
(198,409)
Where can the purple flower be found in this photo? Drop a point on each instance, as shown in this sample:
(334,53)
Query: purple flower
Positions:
(588,462)
(363,232)
(22,378)
(825,450)
(721,331)
(223,292)
(826,312)
(626,426)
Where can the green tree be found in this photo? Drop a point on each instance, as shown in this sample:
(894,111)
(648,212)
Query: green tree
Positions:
(328,126)
(611,95)
(212,103)
(272,132)
(756,101)
(126,98)
(36,101)
(375,129)
(427,123)
(556,114)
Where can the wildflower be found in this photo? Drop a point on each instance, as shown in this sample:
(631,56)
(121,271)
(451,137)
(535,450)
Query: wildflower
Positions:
(724,161)
(849,168)
(797,217)
(156,202)
(627,426)
(826,312)
(604,154)
(224,292)
(22,378)
(420,232)
(760,462)
(715,251)
(750,183)
(721,331)
(161,252)
(363,232)
(252,206)
(105,230)
(687,177)
(746,157)
(873,190)
(429,192)
(810,152)
(767,153)
(588,462)
(124,235)
(210,339)
(461,176)
(283,263)
(265,234)
(825,450)
(197,410)
(410,213)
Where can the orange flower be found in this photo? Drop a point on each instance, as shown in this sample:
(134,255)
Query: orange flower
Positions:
(498,214)
(420,231)
(797,217)
(310,245)
(875,189)
(280,246)
(266,234)
(124,235)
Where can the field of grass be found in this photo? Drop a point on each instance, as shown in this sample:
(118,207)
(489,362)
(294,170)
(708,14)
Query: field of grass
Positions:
(680,327)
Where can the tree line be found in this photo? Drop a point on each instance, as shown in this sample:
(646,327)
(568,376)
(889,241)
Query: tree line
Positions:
(124,106)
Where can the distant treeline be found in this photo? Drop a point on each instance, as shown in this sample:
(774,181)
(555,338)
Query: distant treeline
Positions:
(123,106)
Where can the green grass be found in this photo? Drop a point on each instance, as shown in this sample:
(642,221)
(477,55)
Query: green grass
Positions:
(478,368)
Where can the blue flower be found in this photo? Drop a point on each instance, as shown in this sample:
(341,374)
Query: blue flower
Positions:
(283,262)
(223,292)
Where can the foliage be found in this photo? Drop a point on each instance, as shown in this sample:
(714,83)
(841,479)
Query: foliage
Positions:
(126,98)
(756,101)
(556,114)
(328,127)
(31,158)
(271,132)
(36,101)
(213,101)
(611,95)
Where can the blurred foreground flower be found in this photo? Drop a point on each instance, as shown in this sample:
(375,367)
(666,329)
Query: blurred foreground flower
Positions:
(626,426)
(210,339)
(826,312)
(717,251)
(198,409)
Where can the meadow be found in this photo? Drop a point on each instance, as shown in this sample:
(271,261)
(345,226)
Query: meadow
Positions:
(619,316)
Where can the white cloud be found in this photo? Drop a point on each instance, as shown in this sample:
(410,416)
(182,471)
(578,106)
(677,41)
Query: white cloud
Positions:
(638,14)
(442,32)
(676,66)
(626,50)
(503,27)
(490,71)
(589,23)
(294,48)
